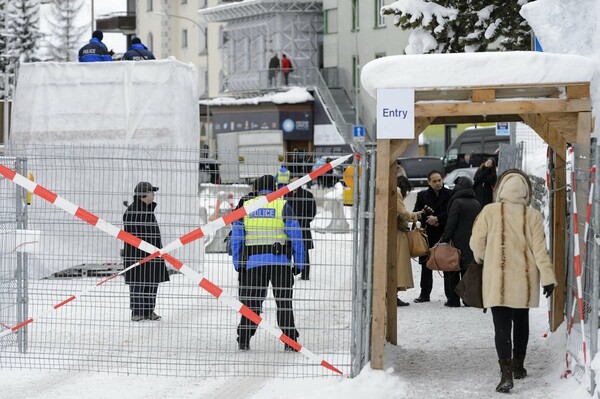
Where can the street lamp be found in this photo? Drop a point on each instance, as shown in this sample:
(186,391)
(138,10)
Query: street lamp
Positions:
(164,14)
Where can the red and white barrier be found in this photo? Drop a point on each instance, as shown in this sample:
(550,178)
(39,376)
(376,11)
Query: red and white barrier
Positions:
(571,181)
(196,277)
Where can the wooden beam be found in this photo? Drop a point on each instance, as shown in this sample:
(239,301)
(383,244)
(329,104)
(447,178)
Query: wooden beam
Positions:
(384,275)
(559,236)
(578,91)
(483,95)
(455,120)
(399,146)
(464,108)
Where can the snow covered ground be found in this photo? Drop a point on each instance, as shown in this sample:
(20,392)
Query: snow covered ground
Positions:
(442,353)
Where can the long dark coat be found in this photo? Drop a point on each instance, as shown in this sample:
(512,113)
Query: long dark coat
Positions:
(483,185)
(305,208)
(140,221)
(463,209)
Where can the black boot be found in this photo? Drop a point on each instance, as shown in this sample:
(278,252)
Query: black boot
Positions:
(519,372)
(506,382)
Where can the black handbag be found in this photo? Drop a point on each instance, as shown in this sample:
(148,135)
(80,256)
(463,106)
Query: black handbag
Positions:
(469,287)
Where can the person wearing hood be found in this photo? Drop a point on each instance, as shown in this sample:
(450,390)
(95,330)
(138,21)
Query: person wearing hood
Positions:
(508,239)
(138,52)
(262,245)
(143,280)
(95,50)
(463,208)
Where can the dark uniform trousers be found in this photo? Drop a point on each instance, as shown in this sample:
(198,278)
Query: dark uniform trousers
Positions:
(253,287)
(142,298)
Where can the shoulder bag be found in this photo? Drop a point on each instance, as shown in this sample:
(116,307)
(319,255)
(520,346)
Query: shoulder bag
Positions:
(469,287)
(417,241)
(444,257)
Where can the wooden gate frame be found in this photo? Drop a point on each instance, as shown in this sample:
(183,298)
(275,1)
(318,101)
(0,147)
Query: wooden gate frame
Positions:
(560,113)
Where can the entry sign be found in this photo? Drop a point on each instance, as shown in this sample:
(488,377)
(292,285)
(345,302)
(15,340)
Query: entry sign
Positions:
(359,133)
(502,129)
(395,113)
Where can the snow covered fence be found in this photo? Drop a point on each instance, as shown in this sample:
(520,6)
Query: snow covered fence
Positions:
(95,333)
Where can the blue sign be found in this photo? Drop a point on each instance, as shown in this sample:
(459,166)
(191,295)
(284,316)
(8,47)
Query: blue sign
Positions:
(502,129)
(359,133)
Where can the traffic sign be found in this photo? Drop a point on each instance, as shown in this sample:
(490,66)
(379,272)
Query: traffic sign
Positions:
(359,133)
(502,129)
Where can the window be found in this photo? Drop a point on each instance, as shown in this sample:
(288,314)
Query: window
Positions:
(184,38)
(379,19)
(201,4)
(149,5)
(355,20)
(330,21)
(150,41)
(202,34)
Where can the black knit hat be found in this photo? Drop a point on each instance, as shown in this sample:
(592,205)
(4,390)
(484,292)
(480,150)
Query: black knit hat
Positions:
(98,35)
(265,182)
(136,40)
(144,188)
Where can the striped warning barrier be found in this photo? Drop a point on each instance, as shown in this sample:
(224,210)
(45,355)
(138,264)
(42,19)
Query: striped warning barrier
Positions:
(196,277)
(571,181)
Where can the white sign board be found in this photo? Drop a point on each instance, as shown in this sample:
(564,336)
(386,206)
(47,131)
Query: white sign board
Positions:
(395,113)
(502,129)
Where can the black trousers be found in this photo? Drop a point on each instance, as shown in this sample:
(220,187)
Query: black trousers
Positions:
(510,322)
(253,291)
(142,298)
(451,280)
(305,274)
(426,281)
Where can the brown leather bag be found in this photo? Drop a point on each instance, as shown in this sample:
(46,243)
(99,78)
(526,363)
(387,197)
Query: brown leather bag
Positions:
(444,257)
(417,241)
(469,287)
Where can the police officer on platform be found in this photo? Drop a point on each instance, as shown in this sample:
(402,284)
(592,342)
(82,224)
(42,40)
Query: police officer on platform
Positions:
(95,50)
(262,245)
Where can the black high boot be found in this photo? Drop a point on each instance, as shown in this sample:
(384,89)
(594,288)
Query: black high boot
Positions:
(519,372)
(506,381)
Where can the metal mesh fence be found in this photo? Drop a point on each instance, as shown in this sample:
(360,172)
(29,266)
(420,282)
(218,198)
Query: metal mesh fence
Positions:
(587,224)
(197,334)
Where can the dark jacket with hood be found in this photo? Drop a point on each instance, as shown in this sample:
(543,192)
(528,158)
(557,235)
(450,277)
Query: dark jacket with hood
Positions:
(140,221)
(463,209)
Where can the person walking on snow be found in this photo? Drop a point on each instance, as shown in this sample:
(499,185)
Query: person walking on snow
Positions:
(262,244)
(508,239)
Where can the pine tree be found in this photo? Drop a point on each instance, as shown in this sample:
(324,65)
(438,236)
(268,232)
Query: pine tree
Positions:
(464,25)
(24,25)
(66,35)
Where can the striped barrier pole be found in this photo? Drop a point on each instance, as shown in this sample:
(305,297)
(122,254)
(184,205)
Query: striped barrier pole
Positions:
(196,277)
(549,188)
(576,254)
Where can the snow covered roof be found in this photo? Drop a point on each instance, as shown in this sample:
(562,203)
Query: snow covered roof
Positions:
(249,8)
(295,95)
(475,69)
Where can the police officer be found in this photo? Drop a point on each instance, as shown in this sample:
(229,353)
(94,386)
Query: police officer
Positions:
(262,244)
(138,52)
(283,177)
(95,50)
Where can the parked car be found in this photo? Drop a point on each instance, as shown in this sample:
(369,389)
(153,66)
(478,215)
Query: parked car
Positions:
(456,173)
(480,143)
(417,169)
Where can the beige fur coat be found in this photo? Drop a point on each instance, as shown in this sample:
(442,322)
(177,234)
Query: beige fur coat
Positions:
(508,236)
(403,264)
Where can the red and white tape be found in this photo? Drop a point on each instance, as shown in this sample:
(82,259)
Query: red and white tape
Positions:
(196,277)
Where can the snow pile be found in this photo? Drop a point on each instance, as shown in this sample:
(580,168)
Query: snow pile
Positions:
(296,95)
(474,69)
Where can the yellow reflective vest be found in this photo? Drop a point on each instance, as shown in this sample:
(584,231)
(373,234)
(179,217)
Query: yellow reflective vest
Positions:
(265,226)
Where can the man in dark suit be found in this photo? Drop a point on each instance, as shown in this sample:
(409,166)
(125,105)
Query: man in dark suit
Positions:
(434,203)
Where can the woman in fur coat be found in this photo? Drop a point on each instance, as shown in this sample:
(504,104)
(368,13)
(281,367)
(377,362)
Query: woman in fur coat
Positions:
(508,238)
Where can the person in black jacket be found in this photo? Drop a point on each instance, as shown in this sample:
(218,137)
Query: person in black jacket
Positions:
(95,50)
(485,181)
(143,279)
(305,208)
(434,204)
(273,70)
(138,52)
(463,209)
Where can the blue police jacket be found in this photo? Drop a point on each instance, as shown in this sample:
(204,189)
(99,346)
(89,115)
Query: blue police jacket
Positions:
(292,230)
(138,52)
(94,51)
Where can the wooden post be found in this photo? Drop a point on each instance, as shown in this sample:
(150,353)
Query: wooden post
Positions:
(559,253)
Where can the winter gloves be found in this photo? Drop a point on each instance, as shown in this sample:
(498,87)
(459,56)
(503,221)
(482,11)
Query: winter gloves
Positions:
(548,290)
